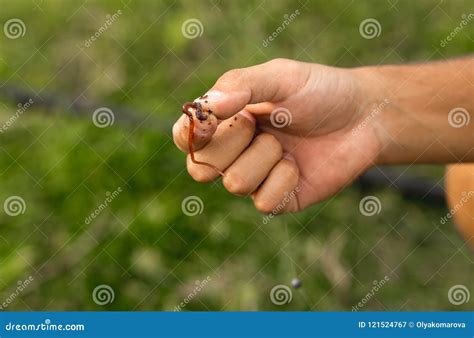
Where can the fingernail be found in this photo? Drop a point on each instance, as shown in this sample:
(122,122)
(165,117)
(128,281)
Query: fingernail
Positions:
(289,157)
(213,95)
(247,115)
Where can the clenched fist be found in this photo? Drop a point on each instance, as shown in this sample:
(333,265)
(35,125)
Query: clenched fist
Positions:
(290,134)
(279,129)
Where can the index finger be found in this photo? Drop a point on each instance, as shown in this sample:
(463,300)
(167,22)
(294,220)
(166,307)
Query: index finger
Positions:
(194,128)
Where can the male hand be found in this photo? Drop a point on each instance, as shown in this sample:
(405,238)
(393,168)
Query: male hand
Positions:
(290,134)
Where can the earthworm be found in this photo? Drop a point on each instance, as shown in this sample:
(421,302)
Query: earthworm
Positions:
(201,117)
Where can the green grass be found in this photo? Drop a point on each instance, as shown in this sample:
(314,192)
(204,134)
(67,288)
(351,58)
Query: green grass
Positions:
(142,244)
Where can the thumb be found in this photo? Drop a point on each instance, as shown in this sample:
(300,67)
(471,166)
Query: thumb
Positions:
(230,94)
(239,87)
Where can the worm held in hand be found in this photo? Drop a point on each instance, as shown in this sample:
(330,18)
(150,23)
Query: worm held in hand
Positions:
(194,110)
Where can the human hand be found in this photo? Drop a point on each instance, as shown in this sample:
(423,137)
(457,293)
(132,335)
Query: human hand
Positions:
(289,130)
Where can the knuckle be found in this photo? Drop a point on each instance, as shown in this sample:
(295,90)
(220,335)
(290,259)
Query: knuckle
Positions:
(231,75)
(263,205)
(270,143)
(280,62)
(290,168)
(288,66)
(235,184)
(199,174)
(178,139)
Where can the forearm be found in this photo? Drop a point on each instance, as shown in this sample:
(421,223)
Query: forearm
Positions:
(428,110)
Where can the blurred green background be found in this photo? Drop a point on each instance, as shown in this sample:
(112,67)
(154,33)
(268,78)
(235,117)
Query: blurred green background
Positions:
(142,245)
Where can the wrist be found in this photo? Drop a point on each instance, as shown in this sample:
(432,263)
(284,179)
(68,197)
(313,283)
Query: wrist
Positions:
(380,110)
(413,125)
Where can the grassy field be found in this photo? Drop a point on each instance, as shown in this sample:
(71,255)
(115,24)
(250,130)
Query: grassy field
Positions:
(141,245)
